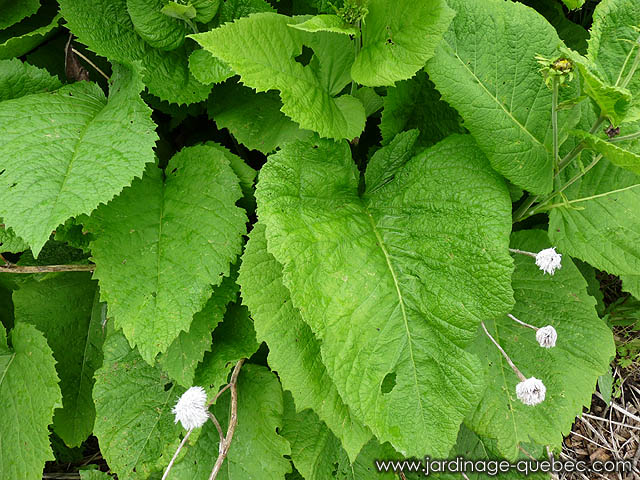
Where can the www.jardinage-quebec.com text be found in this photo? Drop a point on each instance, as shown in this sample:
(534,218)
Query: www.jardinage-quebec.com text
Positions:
(429,466)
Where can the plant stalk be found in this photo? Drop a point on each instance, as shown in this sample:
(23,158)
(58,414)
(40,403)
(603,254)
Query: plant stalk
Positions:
(223,448)
(11,268)
(504,354)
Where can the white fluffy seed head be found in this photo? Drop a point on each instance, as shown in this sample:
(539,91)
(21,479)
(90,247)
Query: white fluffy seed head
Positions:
(548,260)
(547,336)
(531,391)
(191,408)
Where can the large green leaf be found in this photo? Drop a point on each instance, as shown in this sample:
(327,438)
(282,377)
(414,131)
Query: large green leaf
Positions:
(318,454)
(13,12)
(393,283)
(157,29)
(18,79)
(600,228)
(106,28)
(398,38)
(186,351)
(26,35)
(257,451)
(253,118)
(294,351)
(28,394)
(612,152)
(65,152)
(262,50)
(613,101)
(61,306)
(134,423)
(208,69)
(233,340)
(415,103)
(487,70)
(613,45)
(569,370)
(162,243)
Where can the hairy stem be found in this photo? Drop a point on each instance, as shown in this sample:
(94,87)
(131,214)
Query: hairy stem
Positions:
(522,323)
(175,455)
(504,354)
(523,252)
(223,448)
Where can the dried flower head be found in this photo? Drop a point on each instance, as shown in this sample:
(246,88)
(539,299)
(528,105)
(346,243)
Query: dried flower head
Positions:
(547,336)
(531,391)
(191,409)
(549,260)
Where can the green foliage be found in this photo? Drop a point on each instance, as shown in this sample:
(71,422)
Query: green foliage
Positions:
(18,79)
(304,210)
(375,251)
(106,28)
(318,454)
(294,352)
(162,243)
(22,37)
(155,25)
(613,46)
(508,114)
(415,103)
(16,11)
(253,118)
(583,352)
(64,306)
(185,352)
(305,97)
(398,38)
(28,393)
(601,227)
(133,411)
(86,150)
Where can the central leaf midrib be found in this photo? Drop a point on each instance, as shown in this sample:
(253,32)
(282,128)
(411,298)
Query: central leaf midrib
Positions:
(158,255)
(76,147)
(495,99)
(400,301)
(4,374)
(155,425)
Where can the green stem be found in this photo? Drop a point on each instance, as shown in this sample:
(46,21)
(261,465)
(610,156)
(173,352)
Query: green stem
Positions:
(631,136)
(580,146)
(577,177)
(554,121)
(634,67)
(584,199)
(522,211)
(358,40)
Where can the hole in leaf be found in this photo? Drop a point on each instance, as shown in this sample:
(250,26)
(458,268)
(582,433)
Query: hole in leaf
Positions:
(388,383)
(305,57)
(168,386)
